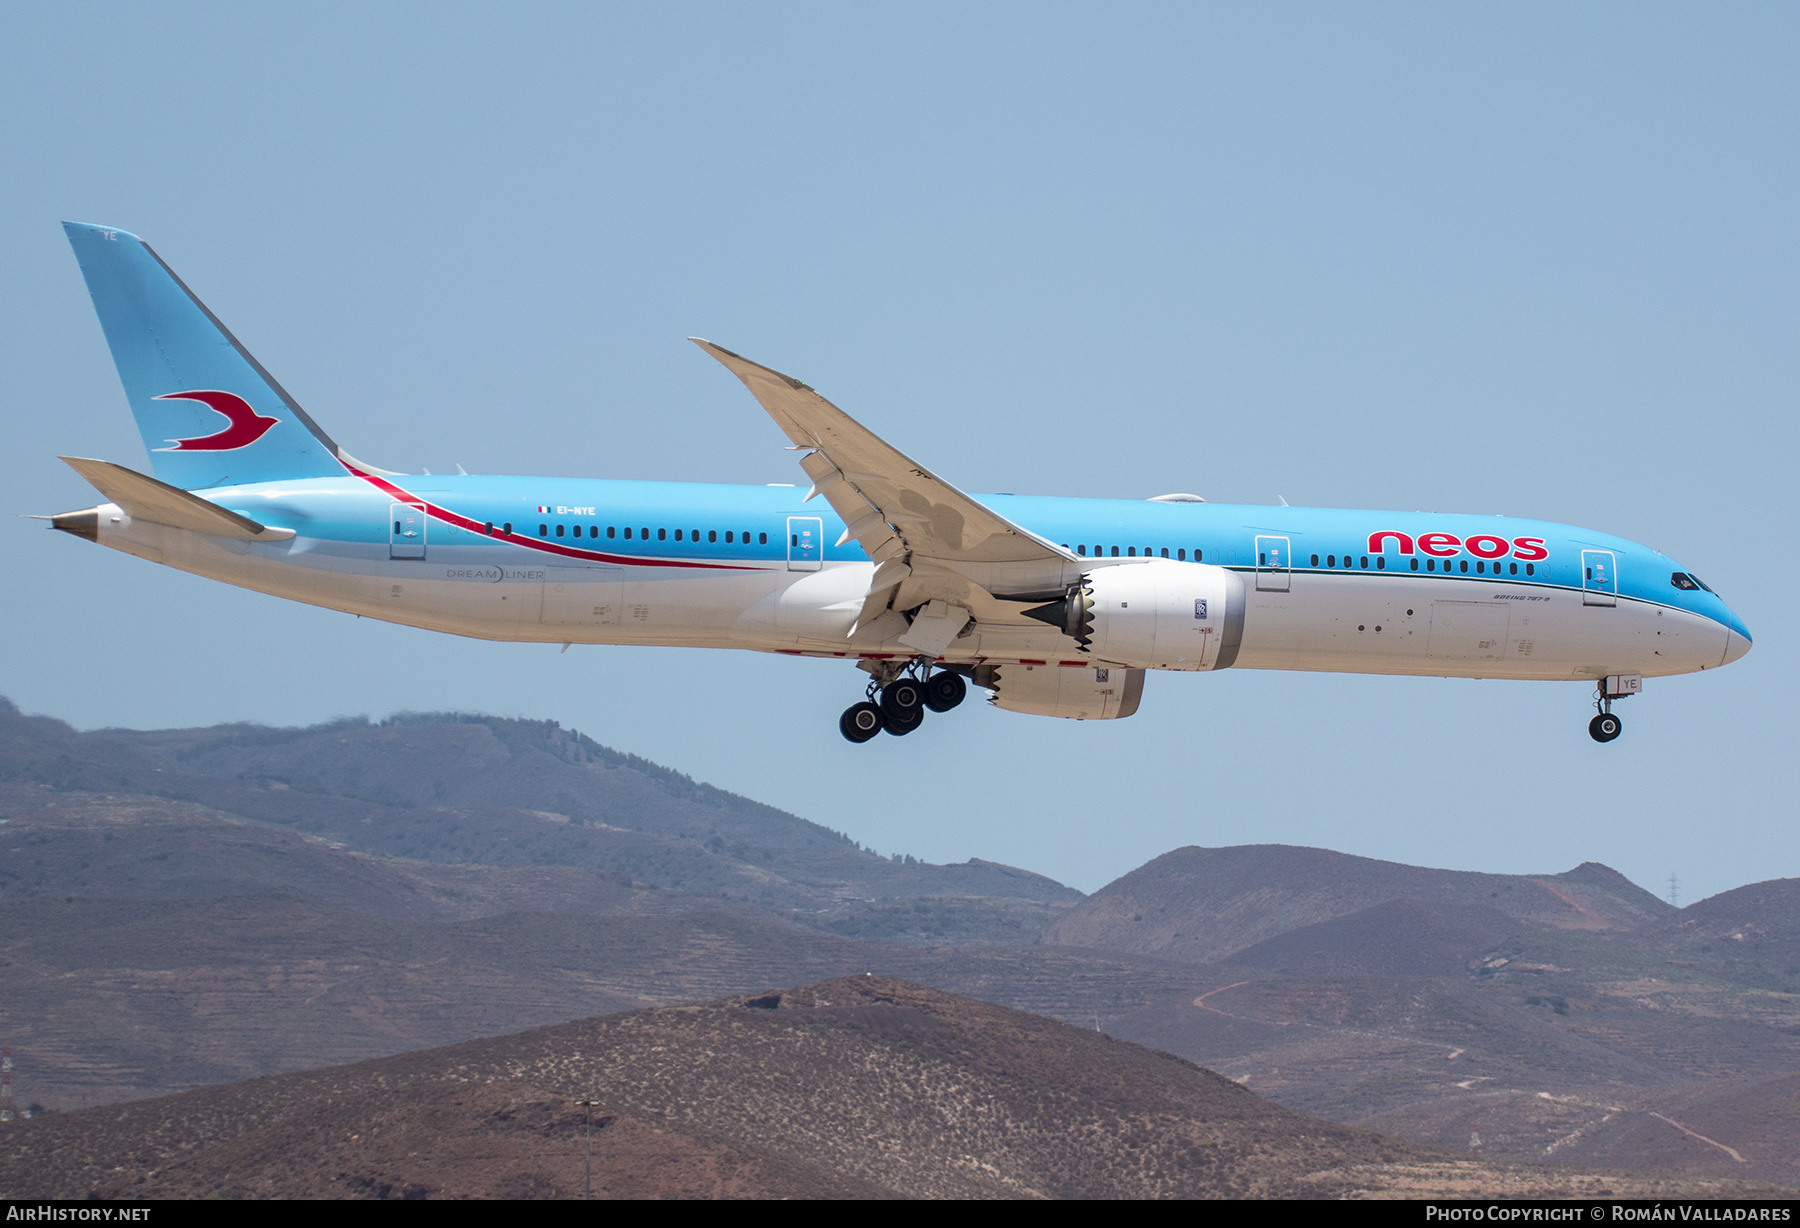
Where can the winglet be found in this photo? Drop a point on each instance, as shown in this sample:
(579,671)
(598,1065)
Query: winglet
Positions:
(892,505)
(737,364)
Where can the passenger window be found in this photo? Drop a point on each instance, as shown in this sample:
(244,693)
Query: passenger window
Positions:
(1480,567)
(490,528)
(793,539)
(1196,556)
(1165,552)
(1512,569)
(559,530)
(1331,560)
(1465,566)
(1415,564)
(1115,552)
(611,531)
(1528,569)
(1081,550)
(543,530)
(1315,560)
(1430,564)
(1381,563)
(712,535)
(762,539)
(507,528)
(662,535)
(627,532)
(1182,554)
(677,534)
(1365,561)
(644,533)
(728,538)
(1131,552)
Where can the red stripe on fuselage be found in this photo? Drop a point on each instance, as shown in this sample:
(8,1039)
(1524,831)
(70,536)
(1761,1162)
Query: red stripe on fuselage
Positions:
(572,552)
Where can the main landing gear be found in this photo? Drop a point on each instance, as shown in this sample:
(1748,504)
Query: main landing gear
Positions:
(898,697)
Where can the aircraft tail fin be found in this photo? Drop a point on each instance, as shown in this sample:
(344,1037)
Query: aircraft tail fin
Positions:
(208,412)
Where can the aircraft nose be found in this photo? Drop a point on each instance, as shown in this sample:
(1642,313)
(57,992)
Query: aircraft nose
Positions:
(1736,645)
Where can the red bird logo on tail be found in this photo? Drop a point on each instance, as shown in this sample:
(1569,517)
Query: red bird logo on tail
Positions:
(247,426)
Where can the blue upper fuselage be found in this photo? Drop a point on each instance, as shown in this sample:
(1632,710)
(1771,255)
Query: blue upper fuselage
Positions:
(669,522)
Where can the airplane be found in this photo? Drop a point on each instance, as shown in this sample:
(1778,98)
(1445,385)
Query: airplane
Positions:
(1054,606)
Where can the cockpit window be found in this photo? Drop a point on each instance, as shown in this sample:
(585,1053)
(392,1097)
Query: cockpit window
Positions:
(1684,582)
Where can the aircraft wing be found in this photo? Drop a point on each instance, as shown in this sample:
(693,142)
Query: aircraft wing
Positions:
(906,518)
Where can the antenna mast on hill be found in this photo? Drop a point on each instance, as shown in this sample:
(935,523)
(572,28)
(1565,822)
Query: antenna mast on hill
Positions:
(1674,892)
(587,1104)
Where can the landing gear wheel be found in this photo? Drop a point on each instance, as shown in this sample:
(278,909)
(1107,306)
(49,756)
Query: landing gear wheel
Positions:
(901,726)
(903,702)
(944,690)
(1605,727)
(861,722)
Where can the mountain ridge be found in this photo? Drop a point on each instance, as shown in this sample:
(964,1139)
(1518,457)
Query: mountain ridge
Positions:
(180,908)
(1199,905)
(857,1087)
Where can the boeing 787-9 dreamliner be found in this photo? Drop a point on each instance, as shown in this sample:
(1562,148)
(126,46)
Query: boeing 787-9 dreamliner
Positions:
(1055,606)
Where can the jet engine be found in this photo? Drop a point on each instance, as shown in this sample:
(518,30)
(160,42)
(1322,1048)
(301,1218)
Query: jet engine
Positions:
(1049,690)
(1157,614)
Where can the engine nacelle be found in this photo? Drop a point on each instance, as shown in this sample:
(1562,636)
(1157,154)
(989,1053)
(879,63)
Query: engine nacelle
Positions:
(1077,694)
(1158,614)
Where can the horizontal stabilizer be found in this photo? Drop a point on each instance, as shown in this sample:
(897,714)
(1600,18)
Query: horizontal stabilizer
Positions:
(145,498)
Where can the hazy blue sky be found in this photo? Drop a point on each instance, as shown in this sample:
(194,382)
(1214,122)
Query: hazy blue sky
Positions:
(1525,259)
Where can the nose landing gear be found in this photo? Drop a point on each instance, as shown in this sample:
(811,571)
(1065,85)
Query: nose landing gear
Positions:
(898,697)
(1605,726)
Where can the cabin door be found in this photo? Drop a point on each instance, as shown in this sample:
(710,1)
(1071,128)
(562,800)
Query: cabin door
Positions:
(806,545)
(1599,584)
(1272,575)
(406,531)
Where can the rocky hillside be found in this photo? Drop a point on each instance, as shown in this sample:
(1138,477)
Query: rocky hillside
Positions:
(863,1087)
(452,790)
(1199,904)
(181,908)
